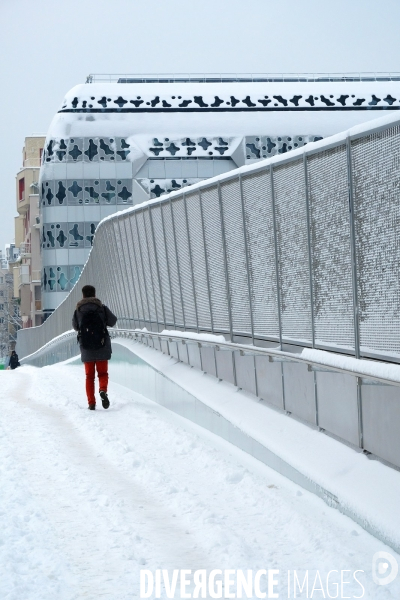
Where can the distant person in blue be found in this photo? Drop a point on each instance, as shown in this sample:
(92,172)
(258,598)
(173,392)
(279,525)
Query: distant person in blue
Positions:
(14,362)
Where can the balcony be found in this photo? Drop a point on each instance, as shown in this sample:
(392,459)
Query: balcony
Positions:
(23,203)
(36,276)
(24,276)
(25,250)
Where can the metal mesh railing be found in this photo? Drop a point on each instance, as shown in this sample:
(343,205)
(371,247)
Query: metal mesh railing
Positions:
(302,249)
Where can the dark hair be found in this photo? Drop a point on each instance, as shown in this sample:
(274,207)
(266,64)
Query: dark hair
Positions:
(88,291)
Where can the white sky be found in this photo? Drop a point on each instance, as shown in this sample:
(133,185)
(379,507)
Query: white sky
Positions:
(48,46)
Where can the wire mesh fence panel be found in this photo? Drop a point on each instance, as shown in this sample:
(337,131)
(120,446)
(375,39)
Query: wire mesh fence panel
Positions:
(172,264)
(185,266)
(144,258)
(162,261)
(153,268)
(331,248)
(292,237)
(132,262)
(259,229)
(110,260)
(376,176)
(128,275)
(236,256)
(99,261)
(120,272)
(215,258)
(196,241)
(139,266)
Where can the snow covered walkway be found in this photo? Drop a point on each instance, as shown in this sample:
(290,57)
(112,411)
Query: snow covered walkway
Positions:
(87,499)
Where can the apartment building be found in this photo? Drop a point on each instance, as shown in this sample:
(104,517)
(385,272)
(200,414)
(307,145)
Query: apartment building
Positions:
(27,268)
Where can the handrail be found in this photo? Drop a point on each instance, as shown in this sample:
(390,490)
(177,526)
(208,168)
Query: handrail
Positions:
(249,350)
(244,349)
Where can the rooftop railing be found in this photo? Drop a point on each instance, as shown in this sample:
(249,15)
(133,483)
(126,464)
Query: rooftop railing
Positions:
(239,77)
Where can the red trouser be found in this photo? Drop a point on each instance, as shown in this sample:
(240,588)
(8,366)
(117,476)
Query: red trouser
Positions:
(102,372)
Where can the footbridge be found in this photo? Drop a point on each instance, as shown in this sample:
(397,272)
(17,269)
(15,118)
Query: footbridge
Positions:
(280,278)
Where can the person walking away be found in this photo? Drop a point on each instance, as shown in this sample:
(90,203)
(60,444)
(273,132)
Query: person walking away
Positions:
(91,319)
(14,362)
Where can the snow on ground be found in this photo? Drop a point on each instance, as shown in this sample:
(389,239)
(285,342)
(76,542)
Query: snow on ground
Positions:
(87,499)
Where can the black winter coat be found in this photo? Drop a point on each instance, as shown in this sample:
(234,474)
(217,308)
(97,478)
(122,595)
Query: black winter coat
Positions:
(14,362)
(109,319)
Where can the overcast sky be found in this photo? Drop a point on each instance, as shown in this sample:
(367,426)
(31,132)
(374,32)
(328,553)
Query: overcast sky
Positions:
(48,46)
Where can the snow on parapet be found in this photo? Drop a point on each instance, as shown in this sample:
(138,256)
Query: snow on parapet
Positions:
(233,96)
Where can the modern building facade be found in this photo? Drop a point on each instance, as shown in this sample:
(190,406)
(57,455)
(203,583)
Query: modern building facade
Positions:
(116,144)
(27,270)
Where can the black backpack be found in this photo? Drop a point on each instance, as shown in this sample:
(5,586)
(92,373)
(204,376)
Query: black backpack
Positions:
(92,332)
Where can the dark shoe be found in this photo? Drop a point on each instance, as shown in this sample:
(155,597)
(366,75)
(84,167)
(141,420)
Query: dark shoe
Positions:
(92,406)
(104,399)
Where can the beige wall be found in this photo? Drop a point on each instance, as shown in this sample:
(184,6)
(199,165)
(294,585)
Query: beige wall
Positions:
(31,151)
(19,230)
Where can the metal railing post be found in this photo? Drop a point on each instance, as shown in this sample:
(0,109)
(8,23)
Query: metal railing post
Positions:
(354,284)
(191,261)
(167,260)
(206,261)
(278,290)
(310,271)
(228,289)
(141,261)
(125,304)
(151,270)
(157,267)
(177,264)
(130,219)
(247,259)
(353,250)
(309,240)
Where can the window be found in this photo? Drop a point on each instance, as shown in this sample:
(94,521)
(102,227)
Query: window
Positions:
(21,189)
(41,153)
(1,280)
(1,293)
(1,306)
(1,320)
